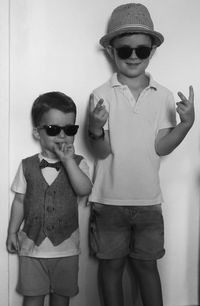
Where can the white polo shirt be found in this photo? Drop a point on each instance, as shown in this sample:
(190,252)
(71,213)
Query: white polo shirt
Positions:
(129,176)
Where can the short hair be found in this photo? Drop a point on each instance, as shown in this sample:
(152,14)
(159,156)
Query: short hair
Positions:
(50,100)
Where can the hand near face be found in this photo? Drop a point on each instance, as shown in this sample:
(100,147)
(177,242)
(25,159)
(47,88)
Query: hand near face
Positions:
(64,151)
(98,114)
(185,108)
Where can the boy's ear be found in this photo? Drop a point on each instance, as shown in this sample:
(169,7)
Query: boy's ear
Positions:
(35,133)
(153,52)
(110,51)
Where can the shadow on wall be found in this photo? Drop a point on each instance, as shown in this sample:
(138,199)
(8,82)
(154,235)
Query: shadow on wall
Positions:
(193,230)
(193,247)
(198,284)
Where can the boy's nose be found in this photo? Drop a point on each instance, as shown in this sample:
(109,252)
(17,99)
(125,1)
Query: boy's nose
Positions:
(133,54)
(62,134)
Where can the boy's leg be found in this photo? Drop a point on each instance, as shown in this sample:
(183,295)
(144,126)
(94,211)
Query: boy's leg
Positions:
(33,282)
(147,245)
(34,300)
(64,279)
(109,242)
(110,279)
(149,281)
(58,300)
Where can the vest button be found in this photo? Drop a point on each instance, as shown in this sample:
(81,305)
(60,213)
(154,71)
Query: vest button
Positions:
(50,228)
(50,209)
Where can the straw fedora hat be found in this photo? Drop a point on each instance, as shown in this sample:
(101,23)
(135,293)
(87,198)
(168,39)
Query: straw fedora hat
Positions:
(131,18)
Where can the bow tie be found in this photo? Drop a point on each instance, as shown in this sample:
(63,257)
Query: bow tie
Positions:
(44,164)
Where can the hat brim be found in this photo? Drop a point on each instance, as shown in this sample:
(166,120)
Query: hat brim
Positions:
(158,37)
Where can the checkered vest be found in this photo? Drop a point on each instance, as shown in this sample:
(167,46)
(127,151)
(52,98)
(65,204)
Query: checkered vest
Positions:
(49,211)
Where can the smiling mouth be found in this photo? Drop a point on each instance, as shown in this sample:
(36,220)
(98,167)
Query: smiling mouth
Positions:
(133,63)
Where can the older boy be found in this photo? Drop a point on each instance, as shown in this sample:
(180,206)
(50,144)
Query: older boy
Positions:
(132,123)
(46,187)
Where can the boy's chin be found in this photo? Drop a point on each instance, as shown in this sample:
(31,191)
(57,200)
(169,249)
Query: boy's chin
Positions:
(133,74)
(50,153)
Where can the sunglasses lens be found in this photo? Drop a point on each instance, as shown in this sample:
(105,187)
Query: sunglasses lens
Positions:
(124,52)
(52,130)
(71,130)
(143,52)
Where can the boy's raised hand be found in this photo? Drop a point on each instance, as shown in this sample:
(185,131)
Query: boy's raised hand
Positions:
(185,108)
(98,114)
(64,151)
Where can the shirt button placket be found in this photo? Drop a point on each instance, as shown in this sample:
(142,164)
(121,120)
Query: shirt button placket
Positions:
(49,210)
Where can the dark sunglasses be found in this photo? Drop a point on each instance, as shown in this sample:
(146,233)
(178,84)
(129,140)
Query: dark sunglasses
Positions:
(125,52)
(54,130)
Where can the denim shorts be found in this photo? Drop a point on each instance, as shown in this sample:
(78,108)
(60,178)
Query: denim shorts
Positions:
(119,231)
(41,276)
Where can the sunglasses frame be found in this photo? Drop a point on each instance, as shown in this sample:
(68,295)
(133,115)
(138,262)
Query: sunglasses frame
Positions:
(65,129)
(129,49)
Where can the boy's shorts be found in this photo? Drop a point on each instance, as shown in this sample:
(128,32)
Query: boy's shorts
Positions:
(118,231)
(41,276)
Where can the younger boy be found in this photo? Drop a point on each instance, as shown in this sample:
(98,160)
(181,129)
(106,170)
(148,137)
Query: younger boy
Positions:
(46,188)
(132,123)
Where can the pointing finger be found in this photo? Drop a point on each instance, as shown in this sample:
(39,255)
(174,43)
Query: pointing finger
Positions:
(99,103)
(91,103)
(99,107)
(181,95)
(191,94)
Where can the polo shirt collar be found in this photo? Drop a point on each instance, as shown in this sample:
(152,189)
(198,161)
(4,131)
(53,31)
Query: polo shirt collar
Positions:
(115,83)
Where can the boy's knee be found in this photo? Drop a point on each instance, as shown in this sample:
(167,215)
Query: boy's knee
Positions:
(144,265)
(112,264)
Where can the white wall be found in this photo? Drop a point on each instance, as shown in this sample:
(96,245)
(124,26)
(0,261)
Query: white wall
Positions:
(54,46)
(4,115)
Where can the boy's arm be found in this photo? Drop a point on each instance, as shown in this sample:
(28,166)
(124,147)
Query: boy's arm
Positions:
(78,179)
(168,139)
(99,139)
(16,218)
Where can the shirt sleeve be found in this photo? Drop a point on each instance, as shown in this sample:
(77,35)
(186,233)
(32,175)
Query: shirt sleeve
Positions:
(167,117)
(84,167)
(19,183)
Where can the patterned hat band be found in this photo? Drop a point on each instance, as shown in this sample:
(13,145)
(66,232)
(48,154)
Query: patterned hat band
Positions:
(130,26)
(131,18)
